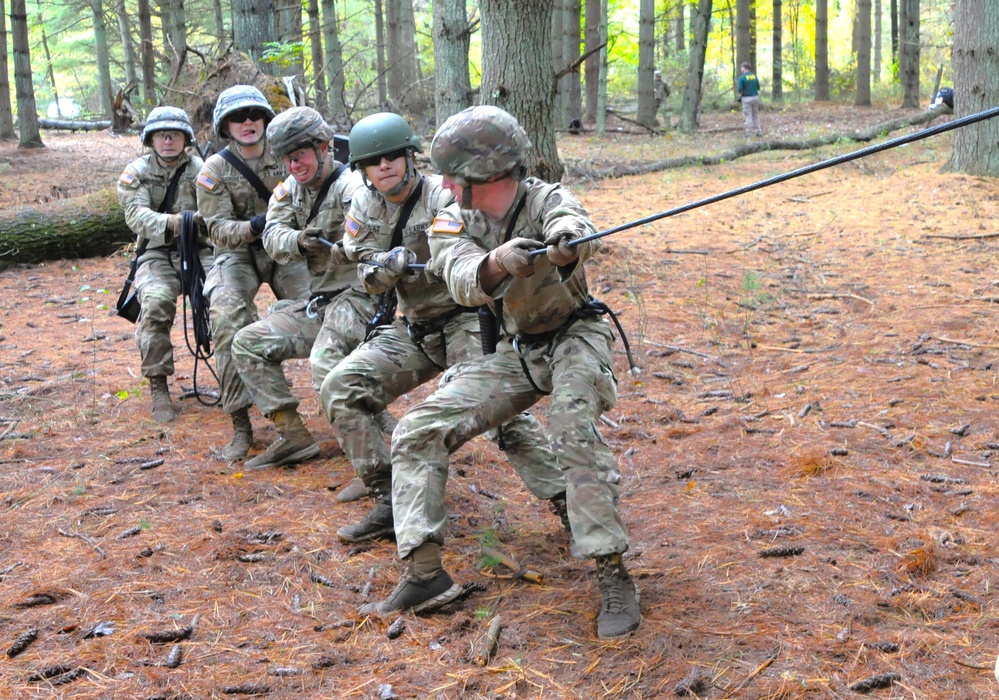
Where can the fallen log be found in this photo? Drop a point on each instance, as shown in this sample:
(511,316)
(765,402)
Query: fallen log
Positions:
(73,125)
(80,227)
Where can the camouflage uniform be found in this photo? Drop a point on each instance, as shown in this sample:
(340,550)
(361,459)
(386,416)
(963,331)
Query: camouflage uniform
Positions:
(567,356)
(434,334)
(288,332)
(227,202)
(141,188)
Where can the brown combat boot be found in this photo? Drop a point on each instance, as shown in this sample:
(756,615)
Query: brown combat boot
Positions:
(163,411)
(619,609)
(295,443)
(561,509)
(242,437)
(424,587)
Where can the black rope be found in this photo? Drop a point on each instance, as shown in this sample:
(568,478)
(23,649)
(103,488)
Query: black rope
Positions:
(806,170)
(192,282)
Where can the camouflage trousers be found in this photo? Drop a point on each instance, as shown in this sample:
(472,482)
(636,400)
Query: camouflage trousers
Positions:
(231,288)
(391,364)
(288,332)
(157,282)
(488,392)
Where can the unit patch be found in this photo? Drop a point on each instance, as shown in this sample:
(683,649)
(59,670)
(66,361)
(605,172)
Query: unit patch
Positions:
(449,226)
(352,225)
(280,193)
(127,179)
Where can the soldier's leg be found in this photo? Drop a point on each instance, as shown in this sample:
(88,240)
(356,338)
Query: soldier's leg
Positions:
(289,281)
(344,325)
(157,285)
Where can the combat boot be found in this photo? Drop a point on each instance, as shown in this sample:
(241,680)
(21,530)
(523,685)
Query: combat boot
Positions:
(619,609)
(561,509)
(354,490)
(424,587)
(377,523)
(242,437)
(162,408)
(294,444)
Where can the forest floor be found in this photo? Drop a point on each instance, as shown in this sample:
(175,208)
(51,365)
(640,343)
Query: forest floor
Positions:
(809,461)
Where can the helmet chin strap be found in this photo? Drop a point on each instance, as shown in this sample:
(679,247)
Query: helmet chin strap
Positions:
(466,196)
(323,161)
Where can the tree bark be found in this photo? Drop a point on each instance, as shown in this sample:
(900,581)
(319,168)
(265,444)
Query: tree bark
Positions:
(334,63)
(452,35)
(102,57)
(695,70)
(894,32)
(287,30)
(27,116)
(6,108)
(681,27)
(127,45)
(741,34)
(516,36)
(876,50)
(220,34)
(380,55)
(777,86)
(976,60)
(909,48)
(253,25)
(318,62)
(647,65)
(559,111)
(146,56)
(822,50)
(570,38)
(80,227)
(863,97)
(591,69)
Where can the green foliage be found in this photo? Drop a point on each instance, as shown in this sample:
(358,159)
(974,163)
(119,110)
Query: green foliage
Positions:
(283,53)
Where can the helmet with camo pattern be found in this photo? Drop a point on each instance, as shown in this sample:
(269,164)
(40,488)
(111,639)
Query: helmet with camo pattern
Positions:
(296,128)
(480,144)
(234,99)
(167,119)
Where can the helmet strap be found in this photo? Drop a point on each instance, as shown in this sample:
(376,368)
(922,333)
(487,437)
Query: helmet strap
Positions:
(323,162)
(466,196)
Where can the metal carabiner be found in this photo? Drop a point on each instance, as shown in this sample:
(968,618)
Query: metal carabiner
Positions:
(311,311)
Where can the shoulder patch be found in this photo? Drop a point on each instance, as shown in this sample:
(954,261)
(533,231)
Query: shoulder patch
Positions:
(449,226)
(551,201)
(352,225)
(207,181)
(280,193)
(127,179)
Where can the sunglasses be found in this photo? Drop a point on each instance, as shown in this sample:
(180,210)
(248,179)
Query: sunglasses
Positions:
(246,114)
(377,160)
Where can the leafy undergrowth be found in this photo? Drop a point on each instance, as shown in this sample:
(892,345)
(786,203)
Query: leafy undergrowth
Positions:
(809,459)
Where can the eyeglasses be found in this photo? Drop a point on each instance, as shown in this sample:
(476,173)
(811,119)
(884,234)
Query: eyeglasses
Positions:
(167,135)
(246,114)
(377,160)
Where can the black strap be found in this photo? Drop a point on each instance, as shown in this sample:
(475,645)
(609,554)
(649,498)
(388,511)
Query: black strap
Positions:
(323,191)
(171,193)
(262,192)
(513,219)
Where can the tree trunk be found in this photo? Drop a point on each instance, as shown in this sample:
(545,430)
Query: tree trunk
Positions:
(334,63)
(602,70)
(253,25)
(681,26)
(288,30)
(178,28)
(876,50)
(519,78)
(591,67)
(103,61)
(400,44)
(910,48)
(220,34)
(380,49)
(777,87)
(452,35)
(80,227)
(559,111)
(6,109)
(741,34)
(863,98)
(127,45)
(27,116)
(318,63)
(571,21)
(647,64)
(49,70)
(822,50)
(894,33)
(695,70)
(147,58)
(976,60)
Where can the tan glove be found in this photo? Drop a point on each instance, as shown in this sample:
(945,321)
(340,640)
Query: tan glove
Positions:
(174,222)
(199,221)
(398,260)
(559,250)
(338,254)
(309,243)
(513,257)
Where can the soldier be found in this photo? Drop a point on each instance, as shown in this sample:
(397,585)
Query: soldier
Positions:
(234,187)
(387,225)
(153,191)
(308,206)
(560,345)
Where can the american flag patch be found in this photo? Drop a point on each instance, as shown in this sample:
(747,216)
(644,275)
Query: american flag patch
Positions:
(352,225)
(449,226)
(127,178)
(207,181)
(280,192)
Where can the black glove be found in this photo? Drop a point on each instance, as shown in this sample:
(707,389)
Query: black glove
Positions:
(257,223)
(513,257)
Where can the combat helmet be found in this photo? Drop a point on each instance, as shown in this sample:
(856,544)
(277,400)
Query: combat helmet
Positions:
(167,119)
(296,128)
(234,99)
(382,134)
(480,144)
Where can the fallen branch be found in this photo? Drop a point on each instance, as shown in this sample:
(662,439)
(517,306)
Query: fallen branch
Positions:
(86,539)
(756,671)
(490,642)
(959,237)
(512,564)
(963,342)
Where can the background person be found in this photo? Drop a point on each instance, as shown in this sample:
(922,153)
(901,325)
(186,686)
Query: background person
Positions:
(749,94)
(153,207)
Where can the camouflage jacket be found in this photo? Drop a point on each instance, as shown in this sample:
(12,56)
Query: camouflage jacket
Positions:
(370,223)
(287,215)
(228,201)
(461,239)
(142,187)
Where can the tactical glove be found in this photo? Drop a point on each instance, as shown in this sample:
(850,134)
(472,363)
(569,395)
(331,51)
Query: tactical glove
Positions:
(513,257)
(557,240)
(257,223)
(398,260)
(309,243)
(199,221)
(174,222)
